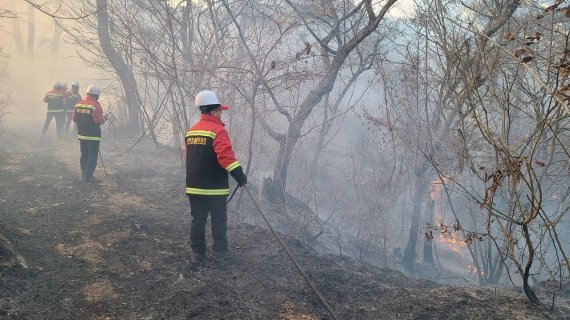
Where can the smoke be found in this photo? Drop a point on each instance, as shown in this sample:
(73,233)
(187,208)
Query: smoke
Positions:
(31,70)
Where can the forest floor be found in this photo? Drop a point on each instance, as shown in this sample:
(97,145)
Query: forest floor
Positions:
(119,250)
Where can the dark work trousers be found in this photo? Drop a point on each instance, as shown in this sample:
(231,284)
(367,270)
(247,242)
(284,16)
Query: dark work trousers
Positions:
(200,206)
(89,153)
(59,122)
(68,116)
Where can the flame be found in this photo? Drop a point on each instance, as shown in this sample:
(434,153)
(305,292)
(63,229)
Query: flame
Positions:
(474,270)
(457,245)
(453,242)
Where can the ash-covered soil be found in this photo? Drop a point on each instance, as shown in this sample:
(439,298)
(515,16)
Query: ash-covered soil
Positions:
(119,250)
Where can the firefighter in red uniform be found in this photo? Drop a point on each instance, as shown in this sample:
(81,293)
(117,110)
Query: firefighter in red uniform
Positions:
(209,159)
(72,97)
(88,115)
(55,100)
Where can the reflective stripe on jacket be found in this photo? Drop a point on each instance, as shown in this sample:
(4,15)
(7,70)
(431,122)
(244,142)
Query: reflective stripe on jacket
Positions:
(209,158)
(55,99)
(88,115)
(71,99)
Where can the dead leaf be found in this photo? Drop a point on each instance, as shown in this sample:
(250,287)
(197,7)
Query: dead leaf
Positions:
(527,59)
(307,48)
(519,52)
(457,226)
(510,36)
(551,8)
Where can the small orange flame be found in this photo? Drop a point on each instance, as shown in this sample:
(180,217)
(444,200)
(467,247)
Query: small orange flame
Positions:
(458,245)
(453,240)
(472,269)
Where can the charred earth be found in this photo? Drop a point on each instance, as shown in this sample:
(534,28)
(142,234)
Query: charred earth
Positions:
(119,250)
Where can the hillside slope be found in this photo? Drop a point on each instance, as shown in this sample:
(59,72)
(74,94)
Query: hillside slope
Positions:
(119,250)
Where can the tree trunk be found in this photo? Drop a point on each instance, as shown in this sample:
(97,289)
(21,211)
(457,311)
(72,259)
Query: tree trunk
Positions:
(17,33)
(287,144)
(31,32)
(428,244)
(124,72)
(527,289)
(410,253)
(55,41)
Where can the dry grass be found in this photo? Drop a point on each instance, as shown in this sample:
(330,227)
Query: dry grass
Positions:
(99,291)
(289,313)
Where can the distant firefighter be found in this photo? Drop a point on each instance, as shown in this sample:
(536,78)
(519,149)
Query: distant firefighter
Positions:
(88,115)
(72,97)
(55,100)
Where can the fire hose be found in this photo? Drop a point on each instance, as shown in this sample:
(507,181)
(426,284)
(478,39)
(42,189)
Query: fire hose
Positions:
(303,273)
(102,163)
(233,194)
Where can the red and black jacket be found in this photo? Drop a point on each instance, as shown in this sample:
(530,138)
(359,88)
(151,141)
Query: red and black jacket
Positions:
(71,99)
(209,158)
(55,99)
(88,115)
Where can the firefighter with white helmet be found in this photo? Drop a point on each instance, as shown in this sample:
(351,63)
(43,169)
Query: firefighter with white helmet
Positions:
(88,115)
(72,97)
(55,99)
(209,160)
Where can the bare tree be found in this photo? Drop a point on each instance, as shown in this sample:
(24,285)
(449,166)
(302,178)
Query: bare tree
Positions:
(335,46)
(509,119)
(123,71)
(461,53)
(339,51)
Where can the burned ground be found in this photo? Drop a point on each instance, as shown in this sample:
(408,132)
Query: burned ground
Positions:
(119,250)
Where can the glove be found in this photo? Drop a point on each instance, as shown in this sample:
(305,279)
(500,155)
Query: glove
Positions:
(240,177)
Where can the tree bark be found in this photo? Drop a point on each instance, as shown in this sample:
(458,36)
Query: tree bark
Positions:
(410,253)
(124,72)
(428,244)
(527,289)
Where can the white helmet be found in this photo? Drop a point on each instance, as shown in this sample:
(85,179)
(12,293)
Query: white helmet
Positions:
(205,98)
(93,89)
(64,85)
(74,83)
(56,84)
